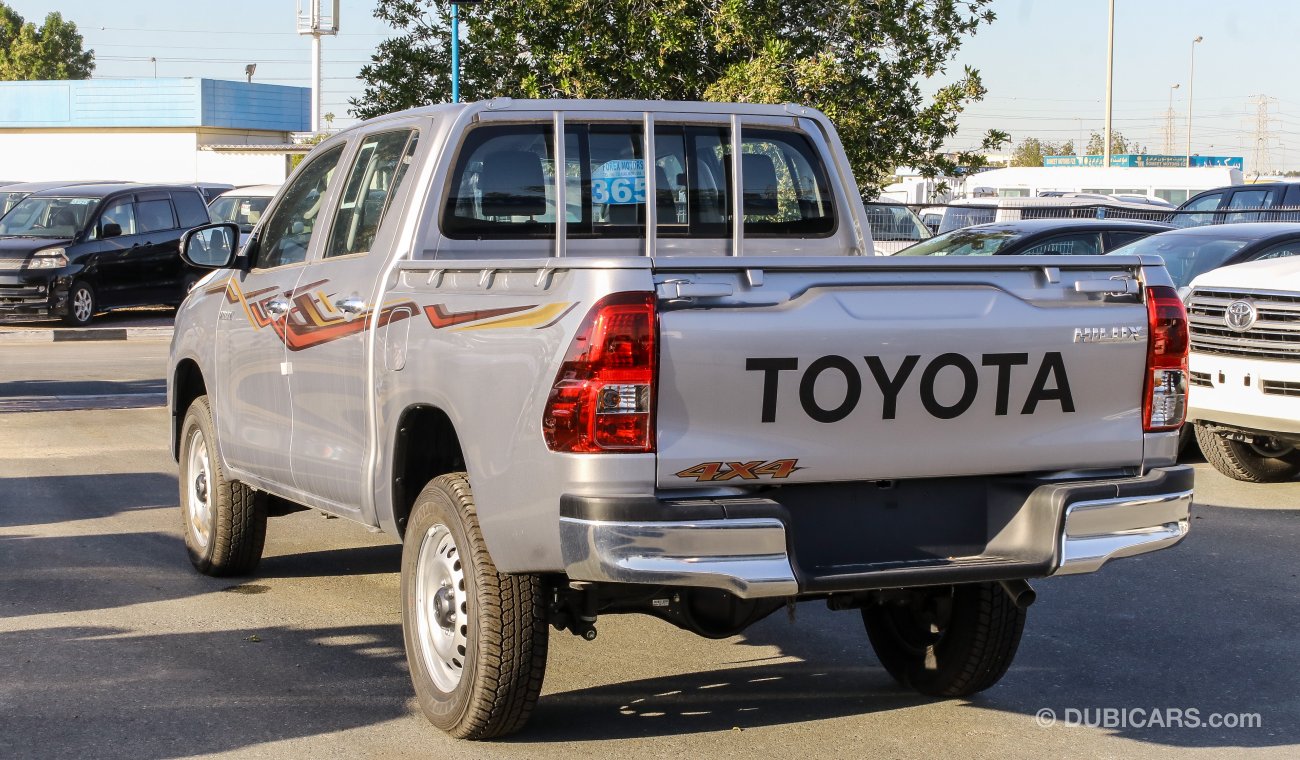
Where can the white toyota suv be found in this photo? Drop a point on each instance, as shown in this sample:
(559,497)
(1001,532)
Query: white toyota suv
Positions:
(1245,368)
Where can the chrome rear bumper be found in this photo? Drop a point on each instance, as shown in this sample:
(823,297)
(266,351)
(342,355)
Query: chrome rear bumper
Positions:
(747,546)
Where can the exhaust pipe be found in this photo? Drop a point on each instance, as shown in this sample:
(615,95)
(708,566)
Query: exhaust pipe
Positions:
(1021,593)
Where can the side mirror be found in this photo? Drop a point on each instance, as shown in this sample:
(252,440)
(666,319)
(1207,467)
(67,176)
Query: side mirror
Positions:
(110,229)
(211,246)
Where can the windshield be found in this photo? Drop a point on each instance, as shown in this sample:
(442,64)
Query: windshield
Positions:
(242,210)
(10,199)
(966,242)
(1186,256)
(47,217)
(892,223)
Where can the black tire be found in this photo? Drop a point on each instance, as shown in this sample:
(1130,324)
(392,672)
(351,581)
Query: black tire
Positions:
(223,520)
(82,305)
(1242,461)
(978,633)
(501,620)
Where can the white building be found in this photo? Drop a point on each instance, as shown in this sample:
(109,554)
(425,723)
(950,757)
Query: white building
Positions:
(150,130)
(1171,184)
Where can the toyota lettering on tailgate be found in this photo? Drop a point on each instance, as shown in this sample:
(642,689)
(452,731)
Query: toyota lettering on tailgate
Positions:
(1050,383)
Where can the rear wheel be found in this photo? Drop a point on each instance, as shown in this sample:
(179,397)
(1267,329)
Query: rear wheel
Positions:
(81,304)
(1265,460)
(224,522)
(476,639)
(949,641)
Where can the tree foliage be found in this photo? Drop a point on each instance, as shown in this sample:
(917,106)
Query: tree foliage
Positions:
(1031,150)
(52,51)
(1118,144)
(862,62)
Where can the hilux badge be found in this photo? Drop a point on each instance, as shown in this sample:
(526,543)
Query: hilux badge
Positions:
(1120,334)
(1240,315)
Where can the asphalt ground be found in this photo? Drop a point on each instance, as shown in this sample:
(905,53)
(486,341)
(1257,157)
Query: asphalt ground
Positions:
(111,646)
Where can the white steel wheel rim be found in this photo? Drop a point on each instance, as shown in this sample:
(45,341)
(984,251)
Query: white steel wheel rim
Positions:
(441,611)
(198,490)
(81,304)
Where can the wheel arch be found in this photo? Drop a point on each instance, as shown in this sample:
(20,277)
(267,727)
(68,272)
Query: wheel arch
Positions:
(425,445)
(187,385)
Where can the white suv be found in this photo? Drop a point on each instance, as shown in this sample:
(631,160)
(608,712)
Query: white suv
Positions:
(1245,368)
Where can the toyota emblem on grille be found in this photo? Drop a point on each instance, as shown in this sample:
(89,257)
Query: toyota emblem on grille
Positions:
(1240,315)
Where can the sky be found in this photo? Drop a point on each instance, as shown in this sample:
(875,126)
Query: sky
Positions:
(1043,62)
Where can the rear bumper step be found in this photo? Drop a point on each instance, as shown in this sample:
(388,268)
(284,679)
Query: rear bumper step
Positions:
(861,536)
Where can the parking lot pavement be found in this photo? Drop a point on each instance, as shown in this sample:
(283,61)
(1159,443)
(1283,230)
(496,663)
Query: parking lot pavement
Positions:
(112,647)
(95,375)
(143,323)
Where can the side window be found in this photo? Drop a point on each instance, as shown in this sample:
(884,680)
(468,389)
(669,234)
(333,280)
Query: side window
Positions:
(1118,239)
(1251,199)
(190,208)
(1075,244)
(1205,202)
(501,187)
(379,167)
(1289,248)
(786,191)
(119,212)
(152,216)
(287,234)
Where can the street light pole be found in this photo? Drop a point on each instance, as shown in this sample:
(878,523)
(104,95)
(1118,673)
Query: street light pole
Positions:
(1110,78)
(455,53)
(1191,70)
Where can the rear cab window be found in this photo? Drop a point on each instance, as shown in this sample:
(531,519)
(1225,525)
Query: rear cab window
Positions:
(503,187)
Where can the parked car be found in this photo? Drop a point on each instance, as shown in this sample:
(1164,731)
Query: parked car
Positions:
(1245,369)
(243,206)
(11,194)
(967,212)
(210,190)
(75,251)
(670,402)
(894,227)
(1070,237)
(1228,205)
(1193,251)
(932,217)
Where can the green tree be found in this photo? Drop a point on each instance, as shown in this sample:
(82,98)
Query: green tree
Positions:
(55,50)
(1118,144)
(1031,150)
(859,61)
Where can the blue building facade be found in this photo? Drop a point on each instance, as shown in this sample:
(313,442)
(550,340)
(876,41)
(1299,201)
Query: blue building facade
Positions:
(171,102)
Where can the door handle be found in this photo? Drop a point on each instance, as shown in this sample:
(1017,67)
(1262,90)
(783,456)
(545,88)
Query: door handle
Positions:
(350,306)
(277,307)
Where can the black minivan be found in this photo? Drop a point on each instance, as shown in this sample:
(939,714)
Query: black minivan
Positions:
(75,251)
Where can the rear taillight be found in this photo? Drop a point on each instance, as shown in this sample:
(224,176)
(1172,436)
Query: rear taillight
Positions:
(1164,399)
(603,396)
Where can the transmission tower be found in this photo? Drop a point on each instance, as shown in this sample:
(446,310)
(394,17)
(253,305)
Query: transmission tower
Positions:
(1261,159)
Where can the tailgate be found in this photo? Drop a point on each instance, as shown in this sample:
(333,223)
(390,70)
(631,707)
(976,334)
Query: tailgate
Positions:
(888,369)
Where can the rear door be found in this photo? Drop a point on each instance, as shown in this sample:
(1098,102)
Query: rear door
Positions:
(891,368)
(336,315)
(153,265)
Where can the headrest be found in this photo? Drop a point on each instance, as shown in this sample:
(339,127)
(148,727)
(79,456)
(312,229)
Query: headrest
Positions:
(760,184)
(513,184)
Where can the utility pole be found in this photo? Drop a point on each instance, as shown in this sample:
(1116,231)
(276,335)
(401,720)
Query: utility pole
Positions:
(317,20)
(1169,122)
(1261,160)
(1110,79)
(1191,71)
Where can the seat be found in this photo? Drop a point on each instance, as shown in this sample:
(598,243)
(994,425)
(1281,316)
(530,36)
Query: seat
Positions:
(760,185)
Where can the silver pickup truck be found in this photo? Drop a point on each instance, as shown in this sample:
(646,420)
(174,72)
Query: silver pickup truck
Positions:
(705,419)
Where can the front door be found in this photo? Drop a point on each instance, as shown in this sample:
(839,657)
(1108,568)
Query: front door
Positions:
(253,411)
(336,321)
